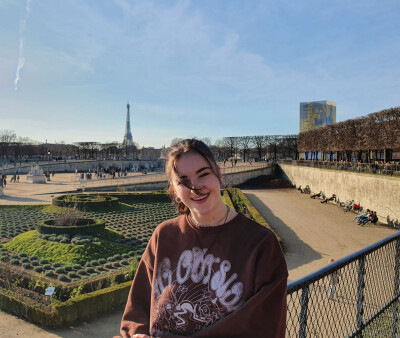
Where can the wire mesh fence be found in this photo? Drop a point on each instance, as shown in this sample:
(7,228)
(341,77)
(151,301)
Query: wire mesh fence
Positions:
(356,296)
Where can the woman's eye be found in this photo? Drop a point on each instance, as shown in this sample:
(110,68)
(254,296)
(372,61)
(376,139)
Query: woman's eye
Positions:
(204,174)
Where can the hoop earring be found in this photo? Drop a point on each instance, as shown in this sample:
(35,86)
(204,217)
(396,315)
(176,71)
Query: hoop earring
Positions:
(177,199)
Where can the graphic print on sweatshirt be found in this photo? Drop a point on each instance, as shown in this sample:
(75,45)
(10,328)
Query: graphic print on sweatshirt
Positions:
(196,294)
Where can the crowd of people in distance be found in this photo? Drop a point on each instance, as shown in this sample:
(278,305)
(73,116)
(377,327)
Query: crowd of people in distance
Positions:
(362,218)
(101,174)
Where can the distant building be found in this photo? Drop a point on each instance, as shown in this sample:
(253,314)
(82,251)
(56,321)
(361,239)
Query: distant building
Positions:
(316,114)
(128,140)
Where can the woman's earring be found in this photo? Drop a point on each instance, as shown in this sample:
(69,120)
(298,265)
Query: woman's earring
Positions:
(177,199)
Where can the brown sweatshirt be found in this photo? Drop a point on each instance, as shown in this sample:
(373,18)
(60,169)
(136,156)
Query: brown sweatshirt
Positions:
(224,281)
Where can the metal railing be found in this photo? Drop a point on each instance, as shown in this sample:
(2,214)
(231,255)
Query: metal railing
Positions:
(356,296)
(372,168)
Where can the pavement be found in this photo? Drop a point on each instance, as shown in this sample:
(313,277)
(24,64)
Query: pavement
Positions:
(311,232)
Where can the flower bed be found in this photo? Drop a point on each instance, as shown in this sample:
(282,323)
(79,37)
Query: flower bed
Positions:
(91,275)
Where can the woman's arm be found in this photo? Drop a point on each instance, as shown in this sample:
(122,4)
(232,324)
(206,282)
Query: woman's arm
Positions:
(136,318)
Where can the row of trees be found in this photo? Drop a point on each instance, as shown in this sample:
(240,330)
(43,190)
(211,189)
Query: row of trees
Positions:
(17,149)
(255,147)
(242,147)
(378,131)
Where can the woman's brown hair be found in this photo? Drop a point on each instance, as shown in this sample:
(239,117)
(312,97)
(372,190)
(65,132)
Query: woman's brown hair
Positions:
(175,153)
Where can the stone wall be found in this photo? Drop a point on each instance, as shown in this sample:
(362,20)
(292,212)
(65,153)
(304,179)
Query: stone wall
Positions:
(230,179)
(377,192)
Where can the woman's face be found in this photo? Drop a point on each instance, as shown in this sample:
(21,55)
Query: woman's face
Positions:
(197,173)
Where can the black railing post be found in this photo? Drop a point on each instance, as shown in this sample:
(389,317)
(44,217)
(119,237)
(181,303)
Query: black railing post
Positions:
(360,295)
(303,312)
(396,289)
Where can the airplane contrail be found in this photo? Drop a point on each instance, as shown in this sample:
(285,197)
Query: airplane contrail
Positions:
(21,59)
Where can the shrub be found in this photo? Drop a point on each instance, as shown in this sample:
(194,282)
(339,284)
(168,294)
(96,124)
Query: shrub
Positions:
(72,274)
(111,259)
(46,266)
(23,255)
(81,272)
(15,261)
(60,270)
(102,261)
(26,265)
(94,263)
(44,261)
(77,266)
(56,265)
(62,277)
(108,265)
(116,264)
(68,268)
(89,269)
(124,262)
(48,273)
(35,263)
(68,217)
(117,256)
(25,260)
(38,269)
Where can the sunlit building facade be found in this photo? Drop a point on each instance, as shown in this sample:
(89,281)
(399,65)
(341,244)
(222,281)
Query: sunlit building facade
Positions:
(316,114)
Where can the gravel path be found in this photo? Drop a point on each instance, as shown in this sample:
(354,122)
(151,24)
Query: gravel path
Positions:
(312,232)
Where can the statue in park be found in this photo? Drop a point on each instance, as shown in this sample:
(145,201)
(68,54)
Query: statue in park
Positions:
(36,175)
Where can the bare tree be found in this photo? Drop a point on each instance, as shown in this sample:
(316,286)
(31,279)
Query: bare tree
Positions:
(259,143)
(244,145)
(6,138)
(231,144)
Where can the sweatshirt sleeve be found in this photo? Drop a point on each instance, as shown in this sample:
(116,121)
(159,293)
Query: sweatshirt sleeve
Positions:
(136,317)
(264,314)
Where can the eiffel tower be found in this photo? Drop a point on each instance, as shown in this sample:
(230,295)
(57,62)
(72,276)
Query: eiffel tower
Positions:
(128,141)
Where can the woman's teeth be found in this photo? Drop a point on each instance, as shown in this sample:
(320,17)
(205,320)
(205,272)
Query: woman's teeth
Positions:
(200,198)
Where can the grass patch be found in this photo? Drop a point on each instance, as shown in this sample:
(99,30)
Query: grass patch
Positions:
(67,253)
(52,209)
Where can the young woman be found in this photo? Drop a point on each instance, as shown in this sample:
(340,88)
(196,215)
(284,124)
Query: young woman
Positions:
(211,272)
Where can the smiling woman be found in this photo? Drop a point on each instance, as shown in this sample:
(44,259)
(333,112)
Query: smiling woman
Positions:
(211,271)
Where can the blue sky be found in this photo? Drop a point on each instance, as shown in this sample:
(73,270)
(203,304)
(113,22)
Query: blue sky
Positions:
(204,68)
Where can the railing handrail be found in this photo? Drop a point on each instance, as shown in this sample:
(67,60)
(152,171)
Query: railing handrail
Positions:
(318,274)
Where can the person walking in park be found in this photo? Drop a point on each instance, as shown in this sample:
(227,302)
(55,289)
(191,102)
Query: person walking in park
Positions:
(210,271)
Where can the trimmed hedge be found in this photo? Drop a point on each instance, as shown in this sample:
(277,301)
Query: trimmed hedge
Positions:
(89,226)
(85,201)
(227,200)
(59,314)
